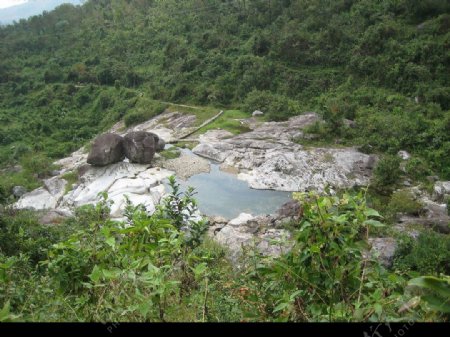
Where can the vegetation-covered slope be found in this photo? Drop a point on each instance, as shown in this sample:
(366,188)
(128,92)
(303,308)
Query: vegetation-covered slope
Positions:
(73,72)
(148,269)
(68,74)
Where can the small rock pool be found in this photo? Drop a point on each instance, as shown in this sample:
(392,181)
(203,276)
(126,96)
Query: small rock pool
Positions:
(223,194)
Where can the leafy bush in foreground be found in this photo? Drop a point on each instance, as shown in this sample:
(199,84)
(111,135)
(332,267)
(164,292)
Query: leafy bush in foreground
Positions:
(161,268)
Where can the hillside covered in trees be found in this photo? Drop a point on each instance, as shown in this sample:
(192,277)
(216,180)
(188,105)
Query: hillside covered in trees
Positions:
(72,72)
(376,72)
(24,9)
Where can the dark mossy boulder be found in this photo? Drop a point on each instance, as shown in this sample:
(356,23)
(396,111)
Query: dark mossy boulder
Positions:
(106,149)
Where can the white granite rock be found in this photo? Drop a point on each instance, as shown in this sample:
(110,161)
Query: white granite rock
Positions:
(241,219)
(267,158)
(441,190)
(39,199)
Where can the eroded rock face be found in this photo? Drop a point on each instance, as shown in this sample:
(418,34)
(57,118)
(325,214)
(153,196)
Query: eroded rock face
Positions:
(434,212)
(269,158)
(106,149)
(43,198)
(383,249)
(441,190)
(139,147)
(247,231)
(142,185)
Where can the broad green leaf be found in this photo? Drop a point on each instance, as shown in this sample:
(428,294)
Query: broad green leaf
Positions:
(111,273)
(374,223)
(281,307)
(199,269)
(95,274)
(378,309)
(315,249)
(4,313)
(371,212)
(438,303)
(441,286)
(111,242)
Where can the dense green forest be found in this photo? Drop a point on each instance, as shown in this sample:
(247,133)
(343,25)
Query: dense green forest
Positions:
(376,71)
(67,74)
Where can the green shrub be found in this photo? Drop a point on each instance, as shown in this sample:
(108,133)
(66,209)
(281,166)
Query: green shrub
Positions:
(276,107)
(37,163)
(429,255)
(325,276)
(142,114)
(404,202)
(21,233)
(387,173)
(417,168)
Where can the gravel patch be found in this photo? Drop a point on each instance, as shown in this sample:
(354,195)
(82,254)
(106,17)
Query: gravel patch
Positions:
(186,166)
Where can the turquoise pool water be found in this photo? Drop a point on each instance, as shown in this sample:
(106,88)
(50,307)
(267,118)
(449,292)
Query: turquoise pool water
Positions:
(221,193)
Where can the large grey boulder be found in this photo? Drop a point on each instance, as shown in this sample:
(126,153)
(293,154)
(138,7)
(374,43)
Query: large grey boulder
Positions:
(139,147)
(106,149)
(290,209)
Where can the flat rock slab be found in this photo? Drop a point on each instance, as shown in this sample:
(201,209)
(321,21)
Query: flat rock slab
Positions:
(43,198)
(140,183)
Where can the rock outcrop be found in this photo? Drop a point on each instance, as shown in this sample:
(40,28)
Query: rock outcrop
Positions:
(106,149)
(433,214)
(270,158)
(142,185)
(46,197)
(441,190)
(139,147)
(250,232)
(383,249)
